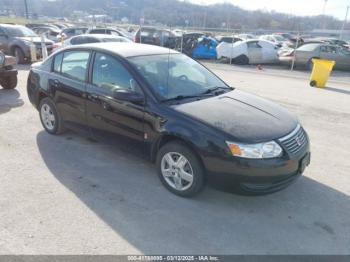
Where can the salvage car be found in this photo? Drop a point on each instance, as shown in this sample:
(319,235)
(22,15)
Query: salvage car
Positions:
(95,38)
(155,36)
(111,31)
(303,55)
(8,74)
(248,52)
(17,40)
(166,106)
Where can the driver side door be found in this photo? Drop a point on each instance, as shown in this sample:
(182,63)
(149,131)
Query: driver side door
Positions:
(111,119)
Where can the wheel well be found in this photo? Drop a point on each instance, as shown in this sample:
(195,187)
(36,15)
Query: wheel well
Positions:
(13,49)
(41,96)
(171,138)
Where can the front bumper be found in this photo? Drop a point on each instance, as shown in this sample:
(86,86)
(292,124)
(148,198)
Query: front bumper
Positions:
(258,176)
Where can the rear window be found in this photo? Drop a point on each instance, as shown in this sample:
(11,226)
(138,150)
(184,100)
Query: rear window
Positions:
(74,64)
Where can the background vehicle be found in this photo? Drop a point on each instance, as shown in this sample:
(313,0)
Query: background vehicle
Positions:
(304,54)
(49,33)
(276,39)
(248,52)
(87,39)
(17,40)
(246,36)
(228,39)
(154,36)
(71,31)
(111,31)
(183,117)
(8,75)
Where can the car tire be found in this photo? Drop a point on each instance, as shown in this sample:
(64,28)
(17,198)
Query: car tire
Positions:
(9,82)
(309,65)
(50,118)
(19,55)
(241,60)
(180,170)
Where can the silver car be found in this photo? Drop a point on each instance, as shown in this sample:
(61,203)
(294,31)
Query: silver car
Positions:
(304,55)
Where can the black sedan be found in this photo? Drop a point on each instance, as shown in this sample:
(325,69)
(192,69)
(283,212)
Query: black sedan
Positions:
(166,106)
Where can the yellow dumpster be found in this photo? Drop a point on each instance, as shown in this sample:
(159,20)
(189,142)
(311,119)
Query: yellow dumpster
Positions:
(321,71)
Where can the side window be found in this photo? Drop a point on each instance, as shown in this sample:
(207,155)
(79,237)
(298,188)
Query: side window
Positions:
(57,63)
(110,74)
(74,64)
(253,44)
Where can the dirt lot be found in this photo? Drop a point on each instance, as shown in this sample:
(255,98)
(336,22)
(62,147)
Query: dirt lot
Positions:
(67,195)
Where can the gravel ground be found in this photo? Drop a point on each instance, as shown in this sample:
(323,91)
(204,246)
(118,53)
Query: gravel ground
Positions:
(68,195)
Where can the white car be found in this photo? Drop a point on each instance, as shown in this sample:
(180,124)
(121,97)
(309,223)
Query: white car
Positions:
(93,38)
(276,39)
(248,52)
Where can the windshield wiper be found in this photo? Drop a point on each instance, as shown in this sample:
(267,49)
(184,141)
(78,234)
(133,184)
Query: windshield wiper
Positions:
(181,97)
(213,89)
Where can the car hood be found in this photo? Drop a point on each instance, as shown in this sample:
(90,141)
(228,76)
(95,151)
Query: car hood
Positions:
(244,117)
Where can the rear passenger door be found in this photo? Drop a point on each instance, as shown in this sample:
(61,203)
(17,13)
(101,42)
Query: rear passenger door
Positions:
(254,52)
(68,83)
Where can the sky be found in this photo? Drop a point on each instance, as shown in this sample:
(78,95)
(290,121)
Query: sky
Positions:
(335,8)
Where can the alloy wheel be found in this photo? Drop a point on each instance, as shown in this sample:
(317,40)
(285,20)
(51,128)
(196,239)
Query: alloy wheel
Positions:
(48,117)
(177,171)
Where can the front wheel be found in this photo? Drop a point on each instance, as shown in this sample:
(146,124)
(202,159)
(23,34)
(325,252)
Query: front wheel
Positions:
(180,170)
(9,82)
(50,119)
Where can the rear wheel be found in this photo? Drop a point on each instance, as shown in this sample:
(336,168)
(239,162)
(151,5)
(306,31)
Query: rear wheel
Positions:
(241,60)
(180,170)
(18,53)
(9,82)
(50,119)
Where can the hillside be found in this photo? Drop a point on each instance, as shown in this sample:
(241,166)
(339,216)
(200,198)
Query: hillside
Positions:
(175,13)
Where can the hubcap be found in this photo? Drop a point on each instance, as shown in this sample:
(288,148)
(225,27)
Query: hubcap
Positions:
(177,171)
(47,117)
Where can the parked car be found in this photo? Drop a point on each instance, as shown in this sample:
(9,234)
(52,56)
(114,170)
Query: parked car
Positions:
(205,48)
(303,55)
(8,74)
(162,104)
(48,32)
(248,52)
(88,39)
(228,39)
(276,39)
(71,31)
(155,36)
(18,40)
(246,36)
(111,31)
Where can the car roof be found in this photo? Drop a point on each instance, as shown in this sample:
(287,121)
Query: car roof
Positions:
(100,36)
(126,49)
(10,25)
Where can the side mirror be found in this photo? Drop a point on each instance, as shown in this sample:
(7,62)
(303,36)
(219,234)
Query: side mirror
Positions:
(130,96)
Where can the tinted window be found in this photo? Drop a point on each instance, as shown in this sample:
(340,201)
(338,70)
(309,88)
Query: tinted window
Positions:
(110,74)
(329,49)
(253,45)
(74,64)
(57,63)
(83,40)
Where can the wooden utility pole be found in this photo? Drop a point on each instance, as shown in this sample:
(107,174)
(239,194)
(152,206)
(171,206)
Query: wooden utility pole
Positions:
(26,8)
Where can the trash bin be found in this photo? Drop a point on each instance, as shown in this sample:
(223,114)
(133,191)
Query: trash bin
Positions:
(320,72)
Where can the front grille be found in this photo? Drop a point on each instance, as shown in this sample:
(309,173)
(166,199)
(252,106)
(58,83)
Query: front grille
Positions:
(295,141)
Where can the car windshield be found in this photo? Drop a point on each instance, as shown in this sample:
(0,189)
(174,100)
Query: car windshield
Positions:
(20,32)
(176,75)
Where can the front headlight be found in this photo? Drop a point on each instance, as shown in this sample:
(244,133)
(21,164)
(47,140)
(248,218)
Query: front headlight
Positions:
(255,151)
(2,59)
